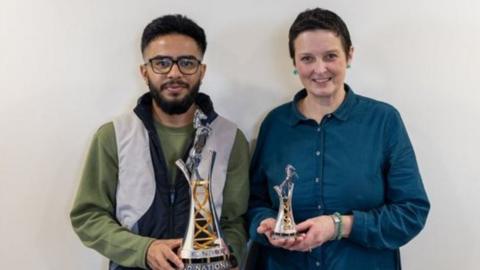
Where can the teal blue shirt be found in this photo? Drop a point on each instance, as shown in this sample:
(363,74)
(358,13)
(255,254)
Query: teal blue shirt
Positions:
(357,161)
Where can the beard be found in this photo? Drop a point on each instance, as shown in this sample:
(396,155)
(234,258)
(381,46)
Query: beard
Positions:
(176,106)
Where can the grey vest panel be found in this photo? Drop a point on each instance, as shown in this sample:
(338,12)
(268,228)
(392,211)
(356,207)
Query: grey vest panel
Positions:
(136,179)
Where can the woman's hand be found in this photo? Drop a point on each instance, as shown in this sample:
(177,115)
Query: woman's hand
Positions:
(319,230)
(266,227)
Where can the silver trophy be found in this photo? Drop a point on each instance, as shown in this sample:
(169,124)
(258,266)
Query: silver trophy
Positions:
(285,225)
(203,246)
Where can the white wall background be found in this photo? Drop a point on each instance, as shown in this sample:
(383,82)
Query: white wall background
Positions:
(68,66)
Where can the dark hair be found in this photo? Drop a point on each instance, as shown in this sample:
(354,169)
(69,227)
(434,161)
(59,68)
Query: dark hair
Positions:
(174,24)
(318,19)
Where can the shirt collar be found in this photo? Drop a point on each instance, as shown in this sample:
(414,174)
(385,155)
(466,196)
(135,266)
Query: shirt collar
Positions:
(342,112)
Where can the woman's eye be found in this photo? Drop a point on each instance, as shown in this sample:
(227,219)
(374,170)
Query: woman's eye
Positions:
(331,56)
(307,59)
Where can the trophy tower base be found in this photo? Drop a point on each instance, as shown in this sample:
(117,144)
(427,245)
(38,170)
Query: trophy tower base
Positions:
(278,235)
(212,263)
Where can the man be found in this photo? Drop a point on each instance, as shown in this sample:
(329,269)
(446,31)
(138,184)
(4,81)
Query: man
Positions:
(132,205)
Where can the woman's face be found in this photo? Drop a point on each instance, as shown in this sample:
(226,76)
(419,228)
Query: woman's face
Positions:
(321,63)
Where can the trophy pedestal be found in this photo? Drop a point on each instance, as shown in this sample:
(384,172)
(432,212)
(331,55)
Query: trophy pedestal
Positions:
(277,235)
(214,258)
(213,263)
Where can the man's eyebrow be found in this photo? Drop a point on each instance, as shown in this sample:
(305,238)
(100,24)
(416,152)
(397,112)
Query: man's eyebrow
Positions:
(189,56)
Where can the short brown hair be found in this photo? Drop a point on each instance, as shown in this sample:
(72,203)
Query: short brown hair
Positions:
(319,19)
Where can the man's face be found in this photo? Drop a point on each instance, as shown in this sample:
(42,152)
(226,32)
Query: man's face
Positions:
(174,92)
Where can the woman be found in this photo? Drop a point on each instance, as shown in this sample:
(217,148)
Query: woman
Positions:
(359,195)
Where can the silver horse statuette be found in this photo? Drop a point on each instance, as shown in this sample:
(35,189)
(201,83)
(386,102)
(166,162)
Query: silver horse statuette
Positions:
(285,225)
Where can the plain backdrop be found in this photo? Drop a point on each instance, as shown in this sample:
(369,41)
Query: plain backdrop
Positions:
(66,67)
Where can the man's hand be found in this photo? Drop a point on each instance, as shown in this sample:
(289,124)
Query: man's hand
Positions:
(161,255)
(266,227)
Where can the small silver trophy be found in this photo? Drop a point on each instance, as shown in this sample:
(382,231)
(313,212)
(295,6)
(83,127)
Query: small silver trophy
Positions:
(203,246)
(285,225)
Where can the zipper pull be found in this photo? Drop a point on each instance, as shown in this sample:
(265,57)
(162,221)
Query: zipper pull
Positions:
(172,195)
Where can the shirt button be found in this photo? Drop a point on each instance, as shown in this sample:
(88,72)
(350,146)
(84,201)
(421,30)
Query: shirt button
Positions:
(319,206)
(317,179)
(317,153)
(318,129)
(317,264)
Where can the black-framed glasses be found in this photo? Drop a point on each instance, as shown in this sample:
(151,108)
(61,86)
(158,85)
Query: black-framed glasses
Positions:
(187,65)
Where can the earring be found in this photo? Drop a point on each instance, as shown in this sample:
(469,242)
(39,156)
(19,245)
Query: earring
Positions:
(295,71)
(349,66)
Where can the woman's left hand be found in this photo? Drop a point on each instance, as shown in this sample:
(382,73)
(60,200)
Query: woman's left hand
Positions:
(317,230)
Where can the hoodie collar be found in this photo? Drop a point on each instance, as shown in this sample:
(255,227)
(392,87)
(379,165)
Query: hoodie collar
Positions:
(144,109)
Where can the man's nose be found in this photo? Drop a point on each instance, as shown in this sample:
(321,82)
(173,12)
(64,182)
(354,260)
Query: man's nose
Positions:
(174,72)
